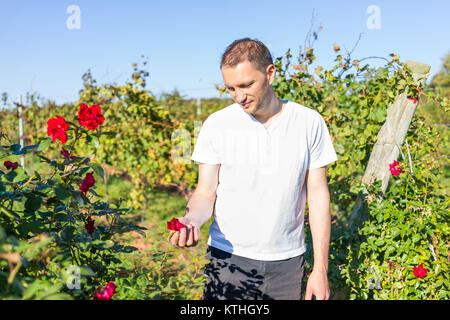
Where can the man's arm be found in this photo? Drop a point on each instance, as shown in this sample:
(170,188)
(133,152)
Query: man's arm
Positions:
(199,207)
(318,198)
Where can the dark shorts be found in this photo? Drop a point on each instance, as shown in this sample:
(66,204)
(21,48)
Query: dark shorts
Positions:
(232,277)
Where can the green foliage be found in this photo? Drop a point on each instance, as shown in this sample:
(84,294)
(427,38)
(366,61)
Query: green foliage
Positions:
(43,237)
(406,227)
(374,259)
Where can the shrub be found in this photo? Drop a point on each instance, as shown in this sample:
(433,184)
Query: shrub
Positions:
(57,240)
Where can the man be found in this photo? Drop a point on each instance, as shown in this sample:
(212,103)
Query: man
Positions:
(260,160)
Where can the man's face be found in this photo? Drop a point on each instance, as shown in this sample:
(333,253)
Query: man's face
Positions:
(247,85)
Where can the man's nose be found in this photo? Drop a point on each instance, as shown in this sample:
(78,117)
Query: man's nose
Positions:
(240,96)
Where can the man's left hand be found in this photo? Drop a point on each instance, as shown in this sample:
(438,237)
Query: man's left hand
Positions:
(318,286)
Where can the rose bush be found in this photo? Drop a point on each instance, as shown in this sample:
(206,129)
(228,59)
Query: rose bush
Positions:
(49,245)
(405,232)
(403,228)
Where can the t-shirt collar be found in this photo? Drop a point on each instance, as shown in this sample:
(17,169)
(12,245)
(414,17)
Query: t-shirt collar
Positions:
(275,122)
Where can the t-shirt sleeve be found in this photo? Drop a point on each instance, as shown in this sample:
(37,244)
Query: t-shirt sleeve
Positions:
(205,150)
(321,147)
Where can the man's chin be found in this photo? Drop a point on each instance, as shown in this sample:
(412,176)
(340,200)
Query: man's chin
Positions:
(250,108)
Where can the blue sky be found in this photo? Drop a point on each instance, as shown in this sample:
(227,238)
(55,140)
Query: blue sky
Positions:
(185,39)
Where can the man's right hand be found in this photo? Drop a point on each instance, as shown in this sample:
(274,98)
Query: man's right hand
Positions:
(186,237)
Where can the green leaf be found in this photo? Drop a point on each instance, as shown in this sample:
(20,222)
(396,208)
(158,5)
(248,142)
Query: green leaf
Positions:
(60,208)
(67,233)
(42,186)
(45,158)
(59,296)
(31,289)
(36,226)
(33,204)
(20,177)
(108,244)
(379,217)
(82,171)
(10,176)
(129,249)
(37,175)
(50,293)
(31,147)
(62,217)
(44,144)
(61,192)
(94,193)
(389,250)
(339,148)
(86,271)
(97,168)
(93,140)
(14,148)
(80,198)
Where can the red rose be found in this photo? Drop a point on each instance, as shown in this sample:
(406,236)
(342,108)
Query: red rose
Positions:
(90,117)
(420,271)
(87,182)
(11,165)
(57,127)
(107,293)
(175,225)
(89,225)
(393,168)
(414,100)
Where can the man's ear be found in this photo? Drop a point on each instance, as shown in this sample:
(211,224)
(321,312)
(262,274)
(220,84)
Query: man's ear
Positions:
(270,73)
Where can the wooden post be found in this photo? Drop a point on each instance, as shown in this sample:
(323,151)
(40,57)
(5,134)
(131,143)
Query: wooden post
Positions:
(199,106)
(390,138)
(105,180)
(19,113)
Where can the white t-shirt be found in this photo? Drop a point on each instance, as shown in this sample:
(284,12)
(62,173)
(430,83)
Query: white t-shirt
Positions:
(261,195)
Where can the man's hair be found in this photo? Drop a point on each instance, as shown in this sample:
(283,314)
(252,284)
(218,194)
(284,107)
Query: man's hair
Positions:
(247,49)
